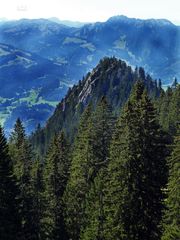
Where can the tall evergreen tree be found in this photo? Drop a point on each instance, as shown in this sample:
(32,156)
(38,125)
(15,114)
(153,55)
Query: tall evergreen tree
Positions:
(21,152)
(137,172)
(168,106)
(16,142)
(103,125)
(10,220)
(78,183)
(89,157)
(38,197)
(171,220)
(56,174)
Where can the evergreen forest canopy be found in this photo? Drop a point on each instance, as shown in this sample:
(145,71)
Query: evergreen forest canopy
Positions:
(105,167)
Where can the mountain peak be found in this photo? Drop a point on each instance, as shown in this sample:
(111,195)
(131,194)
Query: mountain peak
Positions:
(122,18)
(111,78)
(118,18)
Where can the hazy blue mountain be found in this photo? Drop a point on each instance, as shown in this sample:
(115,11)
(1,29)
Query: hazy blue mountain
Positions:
(68,23)
(153,44)
(62,54)
(30,86)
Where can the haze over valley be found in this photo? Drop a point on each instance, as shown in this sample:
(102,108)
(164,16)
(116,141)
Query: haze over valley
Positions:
(41,58)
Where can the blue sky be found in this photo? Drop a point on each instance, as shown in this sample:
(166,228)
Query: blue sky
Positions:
(90,10)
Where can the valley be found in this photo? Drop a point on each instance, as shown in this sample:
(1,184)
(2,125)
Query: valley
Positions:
(41,59)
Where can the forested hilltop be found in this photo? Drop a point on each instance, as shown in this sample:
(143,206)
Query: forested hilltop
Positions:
(112,78)
(110,163)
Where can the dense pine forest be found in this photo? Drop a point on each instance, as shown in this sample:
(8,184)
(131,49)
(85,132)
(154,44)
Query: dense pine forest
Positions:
(105,166)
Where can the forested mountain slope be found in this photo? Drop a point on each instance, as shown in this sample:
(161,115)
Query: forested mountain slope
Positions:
(111,78)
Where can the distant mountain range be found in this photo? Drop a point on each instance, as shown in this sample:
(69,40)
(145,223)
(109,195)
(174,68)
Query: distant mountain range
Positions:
(30,86)
(68,23)
(40,59)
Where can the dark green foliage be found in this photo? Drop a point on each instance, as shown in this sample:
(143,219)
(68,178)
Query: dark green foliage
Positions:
(18,143)
(113,188)
(95,208)
(103,125)
(142,75)
(79,180)
(171,220)
(136,172)
(10,220)
(90,156)
(21,153)
(56,173)
(38,198)
(111,78)
(168,105)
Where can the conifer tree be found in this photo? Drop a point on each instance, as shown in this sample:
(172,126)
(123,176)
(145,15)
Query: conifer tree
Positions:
(137,172)
(56,174)
(15,145)
(10,220)
(142,75)
(39,201)
(103,125)
(173,111)
(168,109)
(79,180)
(171,221)
(21,152)
(102,128)
(95,208)
(89,157)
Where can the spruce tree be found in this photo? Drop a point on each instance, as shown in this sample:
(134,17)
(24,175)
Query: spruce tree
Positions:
(136,172)
(56,173)
(95,208)
(89,157)
(168,108)
(171,220)
(103,126)
(79,179)
(10,220)
(39,200)
(173,110)
(15,145)
(21,153)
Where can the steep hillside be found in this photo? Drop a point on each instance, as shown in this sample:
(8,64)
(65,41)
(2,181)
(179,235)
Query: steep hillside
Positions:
(111,78)
(31,86)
